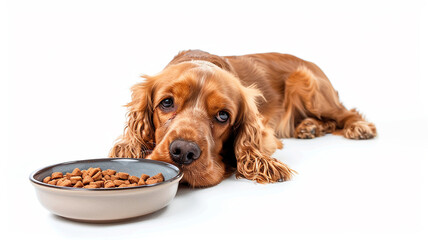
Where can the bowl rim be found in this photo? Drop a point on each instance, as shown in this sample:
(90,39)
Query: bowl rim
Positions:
(165,164)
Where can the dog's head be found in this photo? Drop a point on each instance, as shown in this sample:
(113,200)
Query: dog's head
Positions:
(195,114)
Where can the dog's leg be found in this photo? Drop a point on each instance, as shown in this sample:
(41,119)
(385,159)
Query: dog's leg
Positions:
(310,96)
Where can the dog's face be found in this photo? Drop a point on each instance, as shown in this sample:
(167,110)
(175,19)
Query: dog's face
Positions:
(193,116)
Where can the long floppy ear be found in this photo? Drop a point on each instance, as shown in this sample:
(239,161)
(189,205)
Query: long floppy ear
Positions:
(137,140)
(255,143)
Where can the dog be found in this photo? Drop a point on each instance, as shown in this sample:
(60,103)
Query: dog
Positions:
(214,115)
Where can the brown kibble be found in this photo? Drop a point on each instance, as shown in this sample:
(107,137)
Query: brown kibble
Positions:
(89,169)
(60,180)
(57,175)
(109,172)
(46,179)
(118,182)
(79,184)
(68,175)
(84,173)
(141,182)
(107,177)
(76,172)
(90,186)
(97,176)
(159,176)
(53,182)
(93,183)
(114,177)
(93,171)
(144,176)
(127,182)
(75,179)
(87,179)
(122,185)
(98,184)
(153,181)
(133,179)
(65,183)
(132,185)
(123,175)
(109,184)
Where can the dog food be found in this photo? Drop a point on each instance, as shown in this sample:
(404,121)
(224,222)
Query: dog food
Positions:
(97,178)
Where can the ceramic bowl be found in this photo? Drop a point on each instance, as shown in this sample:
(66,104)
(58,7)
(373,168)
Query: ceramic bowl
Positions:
(108,204)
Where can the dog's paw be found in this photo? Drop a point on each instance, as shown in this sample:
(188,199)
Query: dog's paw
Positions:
(360,130)
(307,129)
(263,169)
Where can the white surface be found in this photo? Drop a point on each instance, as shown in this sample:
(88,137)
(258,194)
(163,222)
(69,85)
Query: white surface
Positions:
(69,67)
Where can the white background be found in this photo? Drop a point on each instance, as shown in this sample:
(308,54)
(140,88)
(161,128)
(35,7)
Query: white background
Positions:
(67,67)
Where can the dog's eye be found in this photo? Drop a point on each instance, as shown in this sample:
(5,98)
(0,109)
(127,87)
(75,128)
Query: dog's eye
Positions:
(167,103)
(222,116)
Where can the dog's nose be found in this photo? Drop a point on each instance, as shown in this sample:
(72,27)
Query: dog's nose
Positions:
(184,152)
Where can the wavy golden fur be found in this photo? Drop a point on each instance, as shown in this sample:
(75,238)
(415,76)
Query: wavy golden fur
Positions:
(263,97)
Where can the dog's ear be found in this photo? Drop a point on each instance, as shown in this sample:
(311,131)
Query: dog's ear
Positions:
(137,140)
(255,143)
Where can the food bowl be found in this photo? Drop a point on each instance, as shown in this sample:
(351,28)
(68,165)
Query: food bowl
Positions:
(108,204)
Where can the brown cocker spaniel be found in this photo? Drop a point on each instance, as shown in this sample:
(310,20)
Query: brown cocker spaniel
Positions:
(213,115)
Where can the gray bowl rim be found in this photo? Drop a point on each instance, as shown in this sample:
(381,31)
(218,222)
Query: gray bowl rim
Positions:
(165,164)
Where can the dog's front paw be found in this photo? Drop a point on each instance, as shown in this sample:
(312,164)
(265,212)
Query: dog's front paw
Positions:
(263,169)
